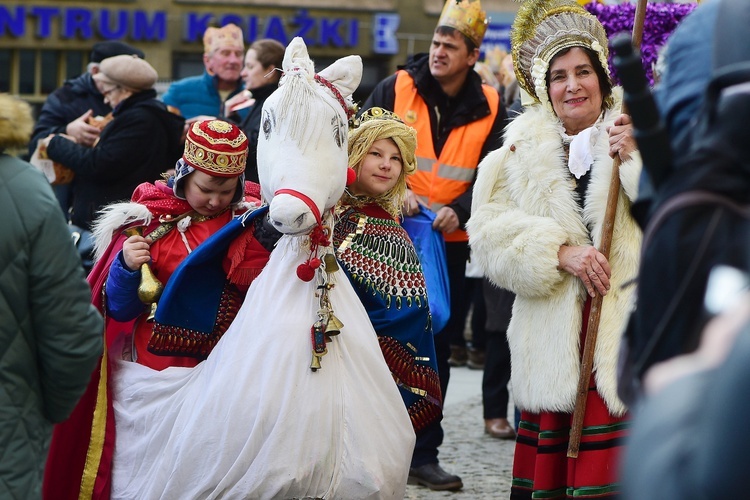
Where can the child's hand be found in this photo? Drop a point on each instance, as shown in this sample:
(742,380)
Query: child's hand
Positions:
(135,251)
(412,203)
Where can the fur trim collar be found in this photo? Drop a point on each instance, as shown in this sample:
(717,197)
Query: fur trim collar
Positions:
(524,207)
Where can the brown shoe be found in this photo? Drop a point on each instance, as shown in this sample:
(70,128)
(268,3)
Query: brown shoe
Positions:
(476,359)
(499,428)
(458,356)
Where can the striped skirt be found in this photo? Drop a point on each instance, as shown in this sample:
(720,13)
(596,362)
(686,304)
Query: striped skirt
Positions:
(541,468)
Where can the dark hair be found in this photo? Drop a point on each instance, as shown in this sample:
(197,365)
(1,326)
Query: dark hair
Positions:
(448,31)
(605,84)
(269,52)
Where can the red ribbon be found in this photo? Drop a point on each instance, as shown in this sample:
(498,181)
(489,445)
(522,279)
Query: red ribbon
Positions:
(318,236)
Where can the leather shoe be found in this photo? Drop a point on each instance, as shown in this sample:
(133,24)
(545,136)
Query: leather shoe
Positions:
(434,477)
(475,359)
(459,356)
(499,428)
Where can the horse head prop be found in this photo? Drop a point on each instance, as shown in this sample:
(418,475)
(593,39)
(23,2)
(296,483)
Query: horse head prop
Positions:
(302,147)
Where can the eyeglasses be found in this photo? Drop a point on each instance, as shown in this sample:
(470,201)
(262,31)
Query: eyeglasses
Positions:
(105,93)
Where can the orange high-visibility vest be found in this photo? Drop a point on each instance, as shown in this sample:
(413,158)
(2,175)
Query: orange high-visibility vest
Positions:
(439,181)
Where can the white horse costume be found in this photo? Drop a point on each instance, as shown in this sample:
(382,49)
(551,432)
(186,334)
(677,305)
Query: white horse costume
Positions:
(253,420)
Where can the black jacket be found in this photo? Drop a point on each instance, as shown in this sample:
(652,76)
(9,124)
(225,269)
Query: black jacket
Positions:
(140,143)
(65,104)
(469,105)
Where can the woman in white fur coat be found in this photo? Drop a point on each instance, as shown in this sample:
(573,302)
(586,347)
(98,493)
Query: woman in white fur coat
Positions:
(536,223)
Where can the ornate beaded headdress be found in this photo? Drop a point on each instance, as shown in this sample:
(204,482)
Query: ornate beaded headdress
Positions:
(543,28)
(467,17)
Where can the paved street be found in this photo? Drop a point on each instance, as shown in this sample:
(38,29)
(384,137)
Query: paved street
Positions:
(483,463)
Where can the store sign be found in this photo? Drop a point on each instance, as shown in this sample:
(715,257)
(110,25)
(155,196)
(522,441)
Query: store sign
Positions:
(497,35)
(316,31)
(384,28)
(142,26)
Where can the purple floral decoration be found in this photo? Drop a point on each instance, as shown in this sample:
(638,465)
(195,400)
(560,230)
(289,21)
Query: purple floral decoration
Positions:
(661,20)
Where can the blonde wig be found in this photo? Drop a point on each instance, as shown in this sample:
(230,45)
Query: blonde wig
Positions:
(373,125)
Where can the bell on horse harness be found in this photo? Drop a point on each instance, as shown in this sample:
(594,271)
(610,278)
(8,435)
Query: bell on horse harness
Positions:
(333,325)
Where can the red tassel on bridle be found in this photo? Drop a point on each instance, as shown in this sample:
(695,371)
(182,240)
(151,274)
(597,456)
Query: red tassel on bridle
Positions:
(319,236)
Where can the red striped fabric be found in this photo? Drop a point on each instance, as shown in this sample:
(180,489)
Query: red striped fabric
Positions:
(541,468)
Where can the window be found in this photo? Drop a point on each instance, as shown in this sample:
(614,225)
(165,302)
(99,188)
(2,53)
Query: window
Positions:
(26,71)
(33,74)
(5,70)
(50,71)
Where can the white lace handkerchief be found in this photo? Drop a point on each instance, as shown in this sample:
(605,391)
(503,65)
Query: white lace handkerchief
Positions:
(580,157)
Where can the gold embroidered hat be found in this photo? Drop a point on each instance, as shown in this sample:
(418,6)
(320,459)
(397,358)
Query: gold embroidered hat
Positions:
(467,17)
(216,147)
(543,28)
(218,38)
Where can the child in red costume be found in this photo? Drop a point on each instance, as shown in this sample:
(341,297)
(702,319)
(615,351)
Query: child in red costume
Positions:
(173,217)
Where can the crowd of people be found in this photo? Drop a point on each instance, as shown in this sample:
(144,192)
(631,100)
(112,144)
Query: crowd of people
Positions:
(516,156)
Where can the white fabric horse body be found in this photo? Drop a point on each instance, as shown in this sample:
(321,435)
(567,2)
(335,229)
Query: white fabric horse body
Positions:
(253,420)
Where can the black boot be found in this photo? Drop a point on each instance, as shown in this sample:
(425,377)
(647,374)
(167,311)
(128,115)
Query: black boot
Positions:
(434,477)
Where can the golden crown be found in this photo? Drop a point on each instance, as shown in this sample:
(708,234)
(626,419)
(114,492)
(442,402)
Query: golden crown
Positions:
(543,28)
(467,17)
(374,113)
(229,36)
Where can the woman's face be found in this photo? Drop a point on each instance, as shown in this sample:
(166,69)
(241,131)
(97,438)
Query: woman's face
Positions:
(207,194)
(113,94)
(380,169)
(574,90)
(254,73)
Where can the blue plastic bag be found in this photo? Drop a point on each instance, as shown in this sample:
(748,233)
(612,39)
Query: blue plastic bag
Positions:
(430,248)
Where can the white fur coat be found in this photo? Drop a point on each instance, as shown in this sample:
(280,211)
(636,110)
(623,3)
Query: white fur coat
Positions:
(524,208)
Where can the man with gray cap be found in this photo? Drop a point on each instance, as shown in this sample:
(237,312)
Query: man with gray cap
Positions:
(69,107)
(141,142)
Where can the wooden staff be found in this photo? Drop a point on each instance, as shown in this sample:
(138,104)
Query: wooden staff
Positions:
(587,358)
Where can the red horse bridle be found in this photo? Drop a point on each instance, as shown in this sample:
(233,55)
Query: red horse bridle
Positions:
(319,236)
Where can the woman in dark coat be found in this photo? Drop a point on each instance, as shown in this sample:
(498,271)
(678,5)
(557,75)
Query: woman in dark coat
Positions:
(261,75)
(141,142)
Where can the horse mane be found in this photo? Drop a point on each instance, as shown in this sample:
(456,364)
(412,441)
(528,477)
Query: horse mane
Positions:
(299,92)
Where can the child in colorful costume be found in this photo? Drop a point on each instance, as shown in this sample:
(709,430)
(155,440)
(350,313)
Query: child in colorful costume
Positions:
(207,191)
(226,427)
(380,260)
(172,218)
